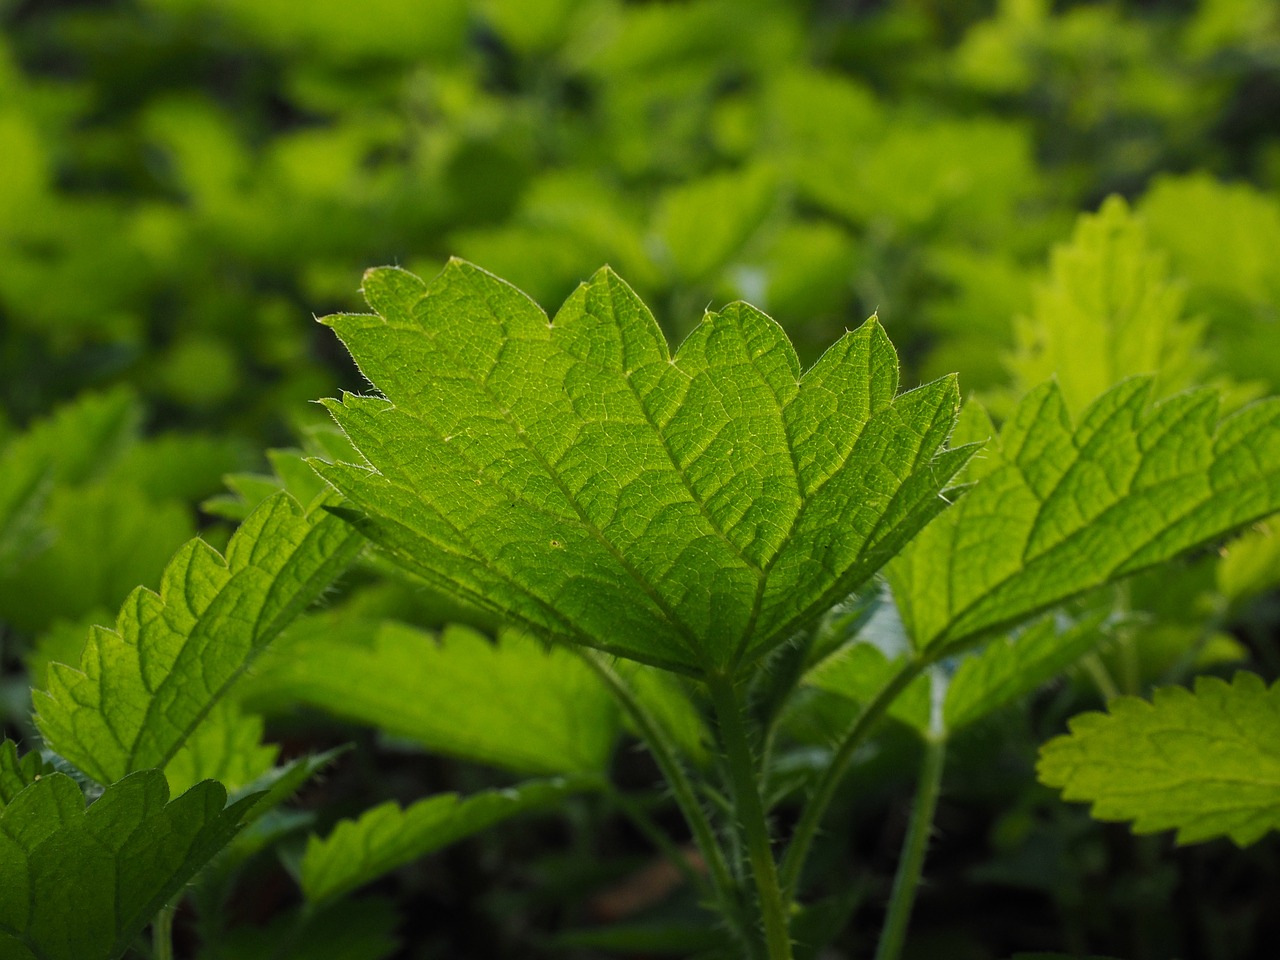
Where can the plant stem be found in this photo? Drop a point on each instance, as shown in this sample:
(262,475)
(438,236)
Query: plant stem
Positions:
(911,864)
(664,753)
(824,792)
(1101,676)
(162,932)
(751,816)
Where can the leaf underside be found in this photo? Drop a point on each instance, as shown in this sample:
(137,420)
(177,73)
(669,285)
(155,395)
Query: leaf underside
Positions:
(513,704)
(688,511)
(387,836)
(1060,509)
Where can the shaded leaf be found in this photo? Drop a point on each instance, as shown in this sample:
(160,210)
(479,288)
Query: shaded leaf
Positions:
(514,704)
(359,851)
(81,884)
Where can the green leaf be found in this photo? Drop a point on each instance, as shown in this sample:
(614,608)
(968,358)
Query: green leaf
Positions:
(1016,665)
(688,511)
(1109,310)
(1251,564)
(68,447)
(106,540)
(23,487)
(1203,763)
(225,746)
(143,688)
(17,773)
(859,671)
(1061,509)
(706,222)
(363,929)
(84,437)
(81,884)
(514,704)
(982,682)
(359,851)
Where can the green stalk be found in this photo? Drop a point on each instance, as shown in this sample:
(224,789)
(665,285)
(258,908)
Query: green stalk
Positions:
(751,816)
(162,932)
(911,864)
(824,792)
(664,753)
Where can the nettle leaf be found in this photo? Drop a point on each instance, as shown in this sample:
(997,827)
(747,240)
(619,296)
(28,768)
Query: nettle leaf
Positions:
(688,511)
(386,837)
(1014,666)
(225,746)
(68,447)
(514,704)
(982,681)
(1108,310)
(1061,509)
(1203,763)
(17,773)
(110,867)
(143,688)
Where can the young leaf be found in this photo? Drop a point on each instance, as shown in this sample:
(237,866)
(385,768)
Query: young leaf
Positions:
(81,884)
(689,511)
(1108,311)
(983,681)
(16,773)
(143,688)
(1060,509)
(359,851)
(1204,763)
(514,704)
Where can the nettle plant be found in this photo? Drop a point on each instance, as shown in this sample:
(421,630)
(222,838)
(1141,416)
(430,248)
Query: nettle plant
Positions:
(676,544)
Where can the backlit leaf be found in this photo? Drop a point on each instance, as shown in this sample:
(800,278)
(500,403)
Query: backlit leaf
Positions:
(143,688)
(687,510)
(1203,763)
(1060,509)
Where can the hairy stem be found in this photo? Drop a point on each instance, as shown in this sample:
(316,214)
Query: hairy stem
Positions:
(664,754)
(824,792)
(911,864)
(751,816)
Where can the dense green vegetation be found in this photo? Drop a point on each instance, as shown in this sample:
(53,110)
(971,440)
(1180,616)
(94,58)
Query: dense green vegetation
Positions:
(387,698)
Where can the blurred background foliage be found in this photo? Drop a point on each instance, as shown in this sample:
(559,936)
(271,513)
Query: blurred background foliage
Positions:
(185,183)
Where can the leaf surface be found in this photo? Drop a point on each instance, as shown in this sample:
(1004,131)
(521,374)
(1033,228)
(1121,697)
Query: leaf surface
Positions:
(1204,763)
(388,836)
(687,510)
(81,884)
(143,688)
(1061,509)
